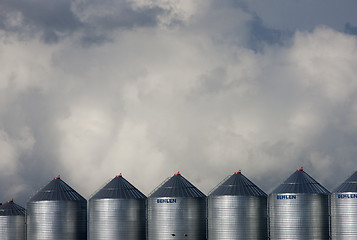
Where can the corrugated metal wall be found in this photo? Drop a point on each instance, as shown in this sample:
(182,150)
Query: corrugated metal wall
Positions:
(117,211)
(299,209)
(12,222)
(237,209)
(177,210)
(299,216)
(57,212)
(178,217)
(344,210)
(237,217)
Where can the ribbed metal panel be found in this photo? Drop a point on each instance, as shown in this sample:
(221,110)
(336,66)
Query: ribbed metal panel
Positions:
(298,216)
(57,212)
(344,210)
(301,182)
(119,187)
(303,214)
(177,186)
(237,217)
(177,210)
(350,185)
(117,219)
(237,184)
(176,218)
(117,211)
(237,209)
(57,190)
(12,222)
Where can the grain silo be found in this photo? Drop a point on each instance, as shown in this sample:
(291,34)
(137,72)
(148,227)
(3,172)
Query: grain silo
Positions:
(344,210)
(56,212)
(299,209)
(12,221)
(117,211)
(237,209)
(177,210)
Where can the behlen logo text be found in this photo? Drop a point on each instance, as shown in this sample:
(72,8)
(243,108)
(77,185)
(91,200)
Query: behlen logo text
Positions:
(172,200)
(286,197)
(347,196)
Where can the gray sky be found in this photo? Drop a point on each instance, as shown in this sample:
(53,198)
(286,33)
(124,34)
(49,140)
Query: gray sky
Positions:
(89,89)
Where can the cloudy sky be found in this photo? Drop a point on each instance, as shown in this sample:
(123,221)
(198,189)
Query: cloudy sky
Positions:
(90,89)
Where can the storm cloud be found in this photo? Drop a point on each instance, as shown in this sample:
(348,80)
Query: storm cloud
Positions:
(93,20)
(147,88)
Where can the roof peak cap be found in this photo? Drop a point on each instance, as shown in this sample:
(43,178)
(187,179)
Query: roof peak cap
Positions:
(300,169)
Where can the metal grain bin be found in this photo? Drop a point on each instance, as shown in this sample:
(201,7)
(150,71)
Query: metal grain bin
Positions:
(12,221)
(299,209)
(57,212)
(237,209)
(117,211)
(177,210)
(344,210)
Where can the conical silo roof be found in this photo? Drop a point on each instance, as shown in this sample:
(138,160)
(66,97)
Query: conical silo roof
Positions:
(119,187)
(300,182)
(57,190)
(177,186)
(11,209)
(350,185)
(238,184)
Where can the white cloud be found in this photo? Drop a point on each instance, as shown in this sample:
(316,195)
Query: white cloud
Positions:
(24,65)
(190,98)
(12,149)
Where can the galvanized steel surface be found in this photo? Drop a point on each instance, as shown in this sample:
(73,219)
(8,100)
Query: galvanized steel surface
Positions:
(344,215)
(177,218)
(300,182)
(12,227)
(237,217)
(11,209)
(118,187)
(237,184)
(350,185)
(177,210)
(298,216)
(111,219)
(299,209)
(57,220)
(12,222)
(344,210)
(177,186)
(57,190)
(117,211)
(237,209)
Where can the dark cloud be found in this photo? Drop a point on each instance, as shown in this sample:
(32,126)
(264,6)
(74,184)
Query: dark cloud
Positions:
(51,19)
(118,14)
(240,25)
(57,19)
(302,15)
(261,35)
(350,29)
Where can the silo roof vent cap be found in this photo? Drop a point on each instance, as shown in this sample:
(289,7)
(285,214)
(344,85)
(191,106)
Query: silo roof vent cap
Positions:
(300,169)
